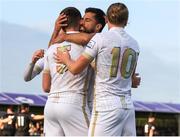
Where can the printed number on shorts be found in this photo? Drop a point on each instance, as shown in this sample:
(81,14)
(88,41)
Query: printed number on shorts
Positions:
(129,59)
(61,68)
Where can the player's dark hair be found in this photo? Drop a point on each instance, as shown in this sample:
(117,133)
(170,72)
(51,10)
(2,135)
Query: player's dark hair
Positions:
(73,16)
(24,105)
(152,115)
(117,14)
(10,107)
(99,16)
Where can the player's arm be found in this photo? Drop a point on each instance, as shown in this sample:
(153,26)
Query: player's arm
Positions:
(46,78)
(78,38)
(151,131)
(136,79)
(32,69)
(37,117)
(46,81)
(58,26)
(6,120)
(28,72)
(74,67)
(85,58)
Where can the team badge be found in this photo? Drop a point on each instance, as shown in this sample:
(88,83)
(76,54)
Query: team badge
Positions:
(64,47)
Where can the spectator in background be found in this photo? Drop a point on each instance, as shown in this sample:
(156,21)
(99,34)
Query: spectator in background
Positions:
(1,124)
(9,127)
(149,128)
(22,120)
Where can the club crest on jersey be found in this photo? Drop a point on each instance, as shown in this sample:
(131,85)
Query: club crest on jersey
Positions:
(64,47)
(91,44)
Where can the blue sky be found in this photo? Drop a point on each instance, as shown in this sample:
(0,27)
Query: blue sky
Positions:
(154,23)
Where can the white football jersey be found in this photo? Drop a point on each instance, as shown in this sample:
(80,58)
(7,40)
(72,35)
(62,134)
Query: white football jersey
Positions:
(117,55)
(63,80)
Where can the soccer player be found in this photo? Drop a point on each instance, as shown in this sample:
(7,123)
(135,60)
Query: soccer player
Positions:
(116,53)
(66,112)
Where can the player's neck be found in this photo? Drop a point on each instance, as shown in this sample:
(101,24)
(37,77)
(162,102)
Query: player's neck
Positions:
(110,25)
(72,29)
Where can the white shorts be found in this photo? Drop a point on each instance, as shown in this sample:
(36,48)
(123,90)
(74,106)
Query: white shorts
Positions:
(117,122)
(63,119)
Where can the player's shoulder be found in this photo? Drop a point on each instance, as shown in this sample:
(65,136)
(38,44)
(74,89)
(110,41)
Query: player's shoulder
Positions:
(100,35)
(51,48)
(97,38)
(135,44)
(104,36)
(132,41)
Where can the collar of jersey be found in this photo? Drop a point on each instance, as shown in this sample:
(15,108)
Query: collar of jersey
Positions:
(117,28)
(70,32)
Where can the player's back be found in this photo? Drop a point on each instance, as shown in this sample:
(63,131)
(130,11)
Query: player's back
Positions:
(22,121)
(68,95)
(63,80)
(116,61)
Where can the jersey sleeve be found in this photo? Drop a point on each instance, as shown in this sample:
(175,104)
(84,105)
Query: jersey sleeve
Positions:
(92,48)
(46,64)
(33,70)
(40,64)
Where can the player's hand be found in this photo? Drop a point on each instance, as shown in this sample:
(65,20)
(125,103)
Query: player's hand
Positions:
(37,55)
(62,57)
(60,22)
(136,80)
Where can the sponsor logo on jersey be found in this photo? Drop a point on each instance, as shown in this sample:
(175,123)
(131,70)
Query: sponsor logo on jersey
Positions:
(91,44)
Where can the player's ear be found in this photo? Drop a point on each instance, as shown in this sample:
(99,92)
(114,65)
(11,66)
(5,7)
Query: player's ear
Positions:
(98,27)
(106,19)
(125,23)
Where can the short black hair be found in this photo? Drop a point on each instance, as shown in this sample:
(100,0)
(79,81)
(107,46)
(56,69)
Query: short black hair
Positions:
(152,115)
(99,16)
(24,105)
(73,16)
(10,107)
